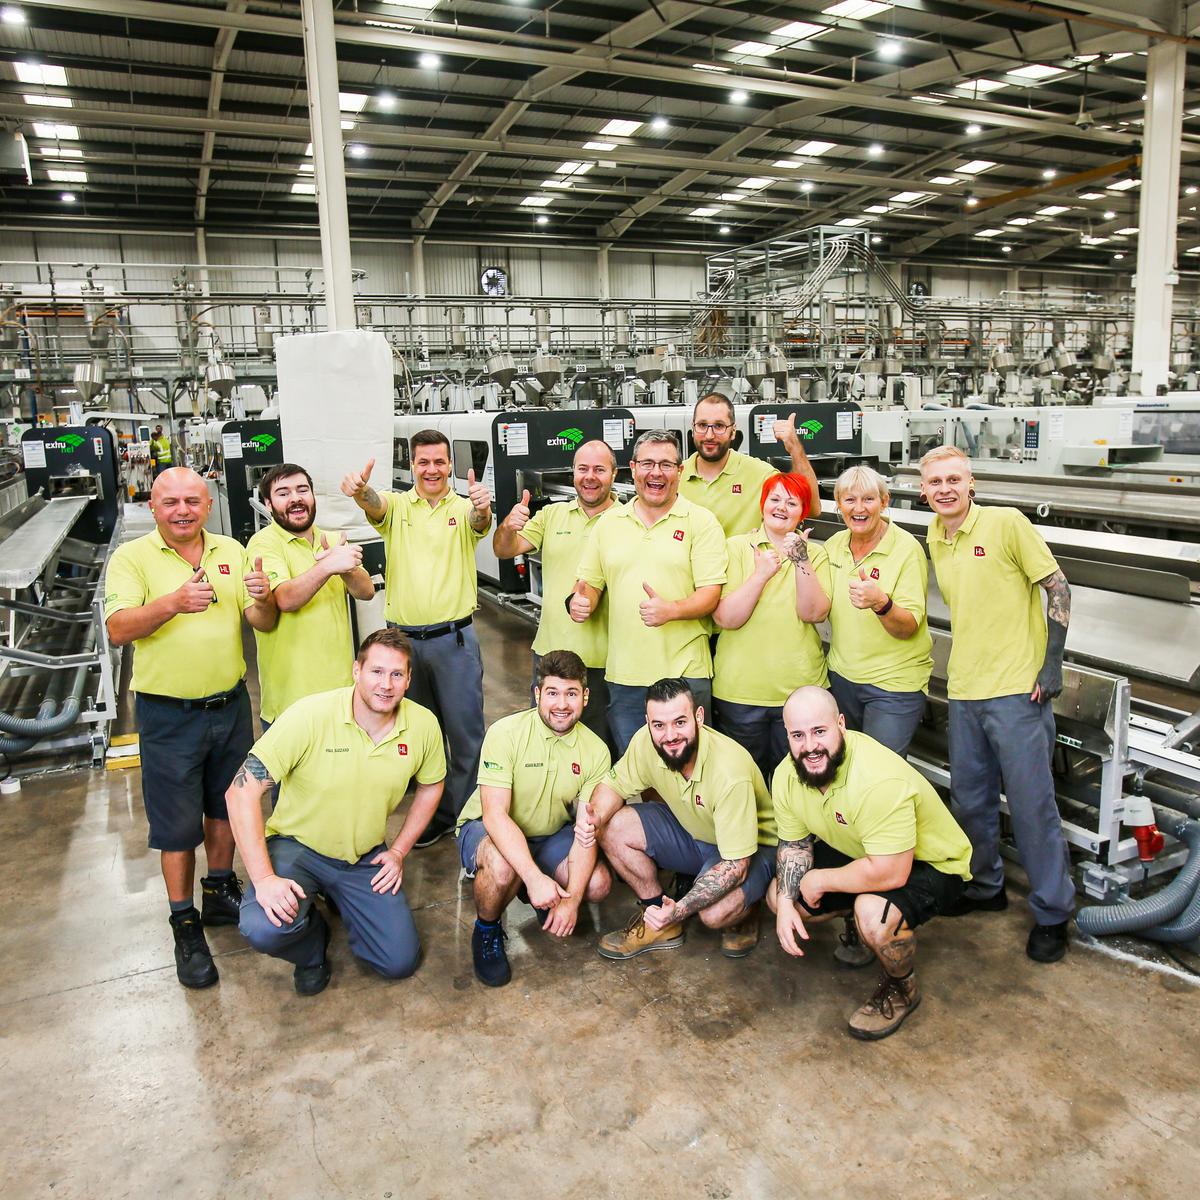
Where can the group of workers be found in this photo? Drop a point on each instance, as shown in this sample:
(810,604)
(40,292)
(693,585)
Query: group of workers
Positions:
(765,770)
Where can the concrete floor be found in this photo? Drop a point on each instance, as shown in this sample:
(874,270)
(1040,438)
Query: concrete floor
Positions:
(676,1075)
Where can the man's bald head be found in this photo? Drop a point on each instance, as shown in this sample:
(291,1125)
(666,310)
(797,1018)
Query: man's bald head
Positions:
(808,704)
(180,503)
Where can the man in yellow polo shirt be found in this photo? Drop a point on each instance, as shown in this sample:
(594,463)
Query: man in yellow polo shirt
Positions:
(727,482)
(1005,668)
(178,595)
(864,833)
(516,834)
(560,531)
(716,825)
(430,534)
(343,760)
(160,448)
(662,561)
(311,573)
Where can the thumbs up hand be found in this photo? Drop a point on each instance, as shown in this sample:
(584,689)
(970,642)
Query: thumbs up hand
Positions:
(257,583)
(580,606)
(865,592)
(195,595)
(481,498)
(766,562)
(519,517)
(785,432)
(654,609)
(355,484)
(585,826)
(339,559)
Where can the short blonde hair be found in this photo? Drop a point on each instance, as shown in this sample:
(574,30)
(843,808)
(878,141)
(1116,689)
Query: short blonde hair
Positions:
(862,478)
(938,453)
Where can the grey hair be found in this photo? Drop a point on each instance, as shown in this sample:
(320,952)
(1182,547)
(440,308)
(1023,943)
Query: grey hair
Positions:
(656,437)
(866,479)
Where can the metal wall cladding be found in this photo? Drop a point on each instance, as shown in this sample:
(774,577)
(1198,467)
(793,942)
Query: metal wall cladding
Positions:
(388,266)
(454,270)
(630,276)
(677,278)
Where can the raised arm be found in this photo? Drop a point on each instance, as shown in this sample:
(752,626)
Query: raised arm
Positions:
(131,624)
(656,610)
(263,612)
(894,618)
(812,602)
(507,541)
(737,604)
(341,559)
(785,432)
(481,504)
(357,486)
(1058,616)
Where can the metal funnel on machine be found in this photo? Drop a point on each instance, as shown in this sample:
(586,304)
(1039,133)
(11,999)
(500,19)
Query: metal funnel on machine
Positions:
(501,368)
(648,368)
(89,378)
(777,366)
(220,379)
(547,369)
(674,369)
(755,369)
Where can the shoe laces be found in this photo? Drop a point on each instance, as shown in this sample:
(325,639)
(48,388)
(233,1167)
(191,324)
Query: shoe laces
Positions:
(849,938)
(636,925)
(191,936)
(883,1001)
(492,941)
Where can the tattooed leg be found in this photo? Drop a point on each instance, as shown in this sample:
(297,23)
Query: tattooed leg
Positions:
(882,927)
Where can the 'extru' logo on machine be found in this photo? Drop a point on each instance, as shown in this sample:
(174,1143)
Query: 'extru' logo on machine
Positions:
(810,428)
(68,443)
(260,442)
(569,439)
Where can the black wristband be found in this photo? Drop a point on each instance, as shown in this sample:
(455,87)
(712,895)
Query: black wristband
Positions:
(887,608)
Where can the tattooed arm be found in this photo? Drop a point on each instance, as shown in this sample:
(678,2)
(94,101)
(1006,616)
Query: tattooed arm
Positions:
(719,880)
(1058,616)
(812,604)
(793,860)
(280,898)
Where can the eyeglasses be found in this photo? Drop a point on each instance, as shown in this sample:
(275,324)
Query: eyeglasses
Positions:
(717,427)
(654,464)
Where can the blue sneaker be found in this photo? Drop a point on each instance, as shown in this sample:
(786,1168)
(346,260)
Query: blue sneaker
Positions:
(487,949)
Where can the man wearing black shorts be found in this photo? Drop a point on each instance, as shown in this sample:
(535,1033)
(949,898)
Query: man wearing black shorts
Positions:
(861,832)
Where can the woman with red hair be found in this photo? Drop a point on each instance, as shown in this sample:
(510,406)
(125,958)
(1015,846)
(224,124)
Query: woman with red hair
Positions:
(776,591)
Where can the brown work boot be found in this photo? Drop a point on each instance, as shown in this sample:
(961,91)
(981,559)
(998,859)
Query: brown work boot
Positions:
(884,1013)
(637,937)
(738,940)
(850,951)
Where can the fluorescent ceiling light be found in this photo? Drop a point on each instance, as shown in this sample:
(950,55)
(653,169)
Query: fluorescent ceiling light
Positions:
(347,124)
(62,133)
(928,99)
(303,188)
(429,62)
(1123,185)
(536,201)
(975,167)
(50,101)
(1089,240)
(788,164)
(1036,71)
(351,101)
(876,208)
(711,67)
(573,168)
(69,198)
(1091,196)
(812,149)
(856,10)
(797,31)
(423,5)
(543,219)
(988,232)
(599,145)
(874,149)
(981,85)
(1128,231)
(29,72)
(755,184)
(63,176)
(758,49)
(705,212)
(60,152)
(307,168)
(890,50)
(660,123)
(308,150)
(734,197)
(1052,210)
(739,96)
(620,128)
(1019,221)
(11,15)
(945,180)
(556,183)
(851,221)
(806,186)
(908,197)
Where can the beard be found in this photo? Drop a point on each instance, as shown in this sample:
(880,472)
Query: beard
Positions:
(680,760)
(818,779)
(714,456)
(295,523)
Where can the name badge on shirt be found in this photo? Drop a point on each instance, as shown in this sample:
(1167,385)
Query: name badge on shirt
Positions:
(452,521)
(874,572)
(980,552)
(839,818)
(402,750)
(678,535)
(223,568)
(737,489)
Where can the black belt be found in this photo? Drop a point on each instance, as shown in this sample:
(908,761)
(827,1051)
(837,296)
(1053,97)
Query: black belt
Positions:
(203,703)
(435,631)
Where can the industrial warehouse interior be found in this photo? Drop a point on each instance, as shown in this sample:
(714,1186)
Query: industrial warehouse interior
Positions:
(287,281)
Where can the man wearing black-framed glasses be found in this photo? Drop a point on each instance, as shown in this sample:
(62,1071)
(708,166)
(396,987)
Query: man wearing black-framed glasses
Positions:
(727,482)
(662,561)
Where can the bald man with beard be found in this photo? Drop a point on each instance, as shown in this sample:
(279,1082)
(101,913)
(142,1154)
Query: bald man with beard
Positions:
(862,834)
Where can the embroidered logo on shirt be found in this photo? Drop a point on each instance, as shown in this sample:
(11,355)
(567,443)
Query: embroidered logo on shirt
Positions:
(980,552)
(840,819)
(402,750)
(699,802)
(452,521)
(874,572)
(678,535)
(491,766)
(575,768)
(223,568)
(737,489)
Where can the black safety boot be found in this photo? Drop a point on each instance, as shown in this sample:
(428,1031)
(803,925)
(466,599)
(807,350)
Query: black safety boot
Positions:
(222,903)
(193,960)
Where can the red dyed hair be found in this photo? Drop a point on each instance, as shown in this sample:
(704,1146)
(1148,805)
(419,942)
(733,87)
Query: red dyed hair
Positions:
(794,485)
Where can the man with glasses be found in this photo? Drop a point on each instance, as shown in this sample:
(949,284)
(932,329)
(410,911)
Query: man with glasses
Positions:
(661,560)
(728,483)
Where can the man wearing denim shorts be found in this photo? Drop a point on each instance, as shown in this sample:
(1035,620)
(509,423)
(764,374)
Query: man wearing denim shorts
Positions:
(862,834)
(716,823)
(515,834)
(178,594)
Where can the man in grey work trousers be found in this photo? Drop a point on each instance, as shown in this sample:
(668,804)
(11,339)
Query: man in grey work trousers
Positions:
(431,592)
